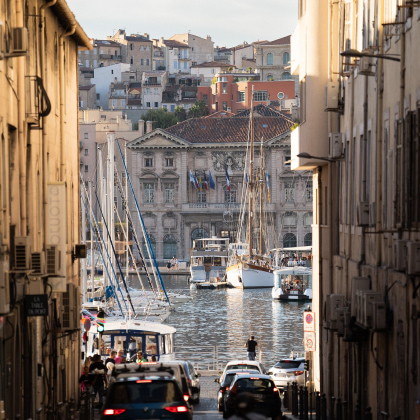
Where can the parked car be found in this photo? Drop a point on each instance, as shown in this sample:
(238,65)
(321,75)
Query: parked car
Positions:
(145,396)
(193,380)
(262,388)
(224,381)
(244,365)
(288,370)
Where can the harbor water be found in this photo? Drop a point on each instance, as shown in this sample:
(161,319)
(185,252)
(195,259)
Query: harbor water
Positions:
(214,325)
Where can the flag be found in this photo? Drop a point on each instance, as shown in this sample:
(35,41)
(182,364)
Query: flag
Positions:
(192,179)
(205,182)
(200,185)
(227,179)
(268,188)
(212,184)
(246,178)
(195,179)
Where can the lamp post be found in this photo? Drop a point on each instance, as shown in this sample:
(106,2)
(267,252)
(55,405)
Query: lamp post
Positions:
(359,54)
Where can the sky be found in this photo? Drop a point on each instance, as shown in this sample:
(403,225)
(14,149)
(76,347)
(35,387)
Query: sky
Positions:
(228,22)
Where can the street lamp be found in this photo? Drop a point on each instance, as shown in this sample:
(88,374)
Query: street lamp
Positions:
(308,156)
(358,54)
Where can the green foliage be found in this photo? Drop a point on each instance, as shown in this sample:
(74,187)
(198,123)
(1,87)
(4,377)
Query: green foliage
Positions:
(235,79)
(199,109)
(294,126)
(180,113)
(161,118)
(214,80)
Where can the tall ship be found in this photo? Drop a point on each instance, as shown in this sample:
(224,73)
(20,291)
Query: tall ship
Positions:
(209,258)
(248,267)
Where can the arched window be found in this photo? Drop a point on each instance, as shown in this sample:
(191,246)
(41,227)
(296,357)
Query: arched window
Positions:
(198,233)
(153,245)
(286,58)
(286,76)
(289,240)
(230,197)
(269,59)
(307,241)
(169,247)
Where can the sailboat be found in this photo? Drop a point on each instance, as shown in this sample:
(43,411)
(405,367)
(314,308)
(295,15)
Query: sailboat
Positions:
(251,269)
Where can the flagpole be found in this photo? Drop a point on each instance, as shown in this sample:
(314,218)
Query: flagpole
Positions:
(251,180)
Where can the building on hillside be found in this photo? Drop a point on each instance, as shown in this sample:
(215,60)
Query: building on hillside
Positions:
(103,53)
(136,50)
(103,77)
(201,49)
(87,97)
(153,85)
(40,207)
(223,55)
(359,130)
(175,212)
(232,92)
(208,71)
(176,54)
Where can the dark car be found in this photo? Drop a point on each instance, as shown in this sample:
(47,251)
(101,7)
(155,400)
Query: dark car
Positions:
(144,397)
(224,381)
(193,380)
(265,393)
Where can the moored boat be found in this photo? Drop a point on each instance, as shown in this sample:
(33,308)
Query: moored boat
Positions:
(292,283)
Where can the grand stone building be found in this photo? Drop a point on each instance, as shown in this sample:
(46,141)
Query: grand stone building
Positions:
(175,212)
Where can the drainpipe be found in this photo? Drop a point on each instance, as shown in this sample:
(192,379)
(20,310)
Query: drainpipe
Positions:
(321,288)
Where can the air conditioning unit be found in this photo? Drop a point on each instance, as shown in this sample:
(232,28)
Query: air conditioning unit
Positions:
(19,41)
(331,96)
(22,252)
(365,66)
(401,253)
(378,322)
(38,263)
(363,213)
(413,258)
(336,145)
(52,260)
(67,308)
(359,306)
(334,302)
(357,283)
(343,320)
(369,297)
(4,288)
(372,214)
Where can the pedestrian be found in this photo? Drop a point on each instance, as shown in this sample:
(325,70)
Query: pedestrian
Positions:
(99,381)
(132,346)
(85,381)
(111,358)
(140,358)
(250,345)
(168,265)
(153,358)
(120,354)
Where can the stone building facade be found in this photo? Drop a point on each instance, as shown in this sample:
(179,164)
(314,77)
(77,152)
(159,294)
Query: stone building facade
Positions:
(175,212)
(40,201)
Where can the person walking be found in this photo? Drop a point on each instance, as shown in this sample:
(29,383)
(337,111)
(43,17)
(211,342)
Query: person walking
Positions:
(250,345)
(100,380)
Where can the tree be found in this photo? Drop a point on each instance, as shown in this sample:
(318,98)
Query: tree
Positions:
(180,113)
(199,109)
(160,118)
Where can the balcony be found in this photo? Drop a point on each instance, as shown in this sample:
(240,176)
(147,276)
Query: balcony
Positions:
(158,54)
(217,207)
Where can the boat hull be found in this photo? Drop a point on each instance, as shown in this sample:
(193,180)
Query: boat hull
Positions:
(278,294)
(248,276)
(200,275)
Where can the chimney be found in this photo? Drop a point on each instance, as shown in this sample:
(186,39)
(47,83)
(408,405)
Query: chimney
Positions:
(146,36)
(149,127)
(141,127)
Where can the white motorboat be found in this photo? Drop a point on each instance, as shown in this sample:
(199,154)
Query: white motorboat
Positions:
(292,283)
(208,259)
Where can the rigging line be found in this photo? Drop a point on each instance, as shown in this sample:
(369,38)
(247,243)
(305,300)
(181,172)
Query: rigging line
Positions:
(133,231)
(106,268)
(150,250)
(115,255)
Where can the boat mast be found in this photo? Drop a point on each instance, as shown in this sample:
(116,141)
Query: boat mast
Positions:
(261,191)
(251,180)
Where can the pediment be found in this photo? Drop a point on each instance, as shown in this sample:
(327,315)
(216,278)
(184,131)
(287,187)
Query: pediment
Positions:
(158,139)
(148,175)
(282,141)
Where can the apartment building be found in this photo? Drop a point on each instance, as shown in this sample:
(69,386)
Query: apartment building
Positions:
(201,50)
(103,53)
(358,132)
(40,201)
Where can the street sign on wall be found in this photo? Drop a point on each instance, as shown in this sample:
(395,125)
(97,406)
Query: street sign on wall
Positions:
(309,341)
(309,321)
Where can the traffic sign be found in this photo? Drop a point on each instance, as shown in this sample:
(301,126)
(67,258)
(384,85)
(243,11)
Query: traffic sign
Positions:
(309,341)
(309,321)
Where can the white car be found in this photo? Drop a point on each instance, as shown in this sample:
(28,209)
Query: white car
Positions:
(244,365)
(288,370)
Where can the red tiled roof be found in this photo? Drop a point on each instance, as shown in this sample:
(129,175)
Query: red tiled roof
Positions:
(281,41)
(220,114)
(229,130)
(137,39)
(265,111)
(106,43)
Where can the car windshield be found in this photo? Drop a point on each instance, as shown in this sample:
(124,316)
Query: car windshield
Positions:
(244,367)
(228,379)
(259,386)
(288,364)
(143,391)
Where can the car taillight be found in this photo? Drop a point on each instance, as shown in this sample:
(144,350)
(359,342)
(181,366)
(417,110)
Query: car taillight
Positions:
(298,372)
(177,409)
(186,397)
(113,411)
(275,389)
(226,388)
(142,381)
